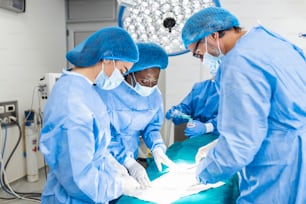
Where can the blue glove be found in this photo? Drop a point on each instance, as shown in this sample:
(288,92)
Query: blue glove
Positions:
(195,128)
(174,114)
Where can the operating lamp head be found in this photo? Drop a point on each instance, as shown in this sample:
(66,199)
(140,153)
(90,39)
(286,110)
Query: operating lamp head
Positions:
(159,21)
(169,23)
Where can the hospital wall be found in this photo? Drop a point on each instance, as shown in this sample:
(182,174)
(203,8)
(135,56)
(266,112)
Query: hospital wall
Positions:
(34,43)
(31,44)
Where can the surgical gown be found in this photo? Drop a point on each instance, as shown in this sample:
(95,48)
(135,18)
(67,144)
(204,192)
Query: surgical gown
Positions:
(132,116)
(74,141)
(201,103)
(262,120)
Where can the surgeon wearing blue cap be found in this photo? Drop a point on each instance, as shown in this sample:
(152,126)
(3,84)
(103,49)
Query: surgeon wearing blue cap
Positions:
(262,109)
(76,130)
(136,110)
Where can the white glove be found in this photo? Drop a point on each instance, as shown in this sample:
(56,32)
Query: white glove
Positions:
(138,172)
(130,186)
(118,168)
(161,158)
(202,151)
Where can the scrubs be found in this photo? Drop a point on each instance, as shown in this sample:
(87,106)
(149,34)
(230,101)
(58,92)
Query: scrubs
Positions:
(262,120)
(74,142)
(201,103)
(132,116)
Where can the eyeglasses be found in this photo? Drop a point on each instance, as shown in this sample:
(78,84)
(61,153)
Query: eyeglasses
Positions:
(147,82)
(144,81)
(195,53)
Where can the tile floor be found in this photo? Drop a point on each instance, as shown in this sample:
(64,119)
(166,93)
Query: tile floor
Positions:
(22,185)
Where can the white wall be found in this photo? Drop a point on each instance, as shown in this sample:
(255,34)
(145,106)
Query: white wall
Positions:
(286,17)
(31,44)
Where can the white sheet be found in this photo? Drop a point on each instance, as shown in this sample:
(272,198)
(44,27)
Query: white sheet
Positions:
(174,185)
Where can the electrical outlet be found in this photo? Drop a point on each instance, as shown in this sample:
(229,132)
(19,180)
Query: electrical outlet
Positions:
(8,113)
(10,108)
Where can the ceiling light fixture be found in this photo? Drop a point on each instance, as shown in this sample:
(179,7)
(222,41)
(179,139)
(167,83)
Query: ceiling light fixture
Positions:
(159,21)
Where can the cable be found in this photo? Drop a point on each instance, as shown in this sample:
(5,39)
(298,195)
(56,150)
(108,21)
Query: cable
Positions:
(7,187)
(2,182)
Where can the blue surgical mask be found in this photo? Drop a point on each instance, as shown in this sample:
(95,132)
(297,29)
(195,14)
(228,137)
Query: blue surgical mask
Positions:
(144,90)
(212,62)
(108,83)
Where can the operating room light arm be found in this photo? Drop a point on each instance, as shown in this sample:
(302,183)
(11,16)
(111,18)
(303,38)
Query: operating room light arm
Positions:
(127,3)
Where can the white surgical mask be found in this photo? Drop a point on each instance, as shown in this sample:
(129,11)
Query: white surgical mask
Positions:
(144,90)
(212,62)
(108,83)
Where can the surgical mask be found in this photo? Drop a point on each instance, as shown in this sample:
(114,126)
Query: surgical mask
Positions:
(143,90)
(212,62)
(108,83)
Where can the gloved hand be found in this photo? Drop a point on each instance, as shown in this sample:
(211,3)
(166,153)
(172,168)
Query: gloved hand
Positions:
(161,158)
(202,151)
(172,114)
(117,167)
(195,128)
(130,186)
(138,172)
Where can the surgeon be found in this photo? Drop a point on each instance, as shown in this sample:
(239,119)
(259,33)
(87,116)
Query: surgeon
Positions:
(136,110)
(199,108)
(76,130)
(262,109)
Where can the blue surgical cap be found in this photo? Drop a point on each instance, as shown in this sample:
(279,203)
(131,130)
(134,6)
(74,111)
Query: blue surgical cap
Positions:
(151,55)
(111,43)
(206,22)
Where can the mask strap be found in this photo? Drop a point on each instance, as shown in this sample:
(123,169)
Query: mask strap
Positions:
(134,79)
(102,67)
(206,50)
(218,44)
(114,65)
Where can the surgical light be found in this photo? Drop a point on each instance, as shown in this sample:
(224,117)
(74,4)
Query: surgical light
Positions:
(159,21)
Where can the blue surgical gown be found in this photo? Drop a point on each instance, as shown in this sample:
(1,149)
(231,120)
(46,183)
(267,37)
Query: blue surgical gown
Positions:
(132,116)
(262,120)
(74,141)
(202,103)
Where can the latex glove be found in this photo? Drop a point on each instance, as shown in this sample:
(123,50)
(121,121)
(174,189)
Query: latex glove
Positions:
(202,151)
(138,172)
(195,128)
(161,158)
(118,168)
(130,186)
(172,113)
